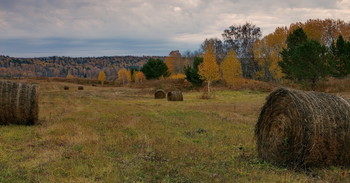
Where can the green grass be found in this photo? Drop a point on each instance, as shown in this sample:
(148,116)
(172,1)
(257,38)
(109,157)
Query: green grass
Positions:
(124,135)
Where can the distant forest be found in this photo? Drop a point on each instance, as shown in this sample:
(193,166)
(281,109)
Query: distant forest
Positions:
(79,67)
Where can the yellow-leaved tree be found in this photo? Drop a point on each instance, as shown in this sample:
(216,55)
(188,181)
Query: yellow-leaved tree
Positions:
(102,77)
(139,77)
(124,76)
(209,69)
(231,68)
(267,53)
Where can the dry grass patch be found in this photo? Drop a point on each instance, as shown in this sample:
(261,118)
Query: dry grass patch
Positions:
(107,134)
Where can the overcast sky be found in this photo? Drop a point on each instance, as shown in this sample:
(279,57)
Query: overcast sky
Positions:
(33,28)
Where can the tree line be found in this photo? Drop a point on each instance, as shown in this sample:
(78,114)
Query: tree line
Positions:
(69,67)
(303,52)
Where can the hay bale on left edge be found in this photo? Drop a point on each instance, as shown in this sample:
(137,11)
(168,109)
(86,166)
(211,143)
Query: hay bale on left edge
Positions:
(300,129)
(159,94)
(18,103)
(80,88)
(175,96)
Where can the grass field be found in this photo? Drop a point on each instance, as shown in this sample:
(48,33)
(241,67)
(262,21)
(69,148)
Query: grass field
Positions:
(109,134)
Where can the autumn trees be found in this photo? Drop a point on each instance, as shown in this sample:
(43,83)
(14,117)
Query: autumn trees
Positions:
(231,68)
(290,50)
(124,76)
(267,54)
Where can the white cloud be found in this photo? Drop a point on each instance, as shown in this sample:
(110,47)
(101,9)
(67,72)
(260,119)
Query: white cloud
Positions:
(177,9)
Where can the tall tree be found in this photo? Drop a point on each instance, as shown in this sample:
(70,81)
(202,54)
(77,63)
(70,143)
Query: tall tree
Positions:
(209,69)
(241,38)
(231,68)
(155,68)
(102,77)
(304,60)
(175,62)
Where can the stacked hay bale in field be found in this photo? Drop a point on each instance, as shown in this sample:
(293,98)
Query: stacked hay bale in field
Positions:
(66,87)
(299,129)
(175,96)
(18,103)
(159,94)
(80,88)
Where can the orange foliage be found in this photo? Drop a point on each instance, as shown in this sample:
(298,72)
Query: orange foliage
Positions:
(231,68)
(124,76)
(267,53)
(139,77)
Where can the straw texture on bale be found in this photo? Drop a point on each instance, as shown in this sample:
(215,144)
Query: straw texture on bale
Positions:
(159,94)
(66,87)
(175,96)
(80,88)
(18,103)
(300,129)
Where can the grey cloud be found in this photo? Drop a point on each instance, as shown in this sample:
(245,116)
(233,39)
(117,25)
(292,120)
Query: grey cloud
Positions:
(172,22)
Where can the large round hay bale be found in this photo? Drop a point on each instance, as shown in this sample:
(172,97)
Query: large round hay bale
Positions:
(175,96)
(299,129)
(159,94)
(18,103)
(80,88)
(66,87)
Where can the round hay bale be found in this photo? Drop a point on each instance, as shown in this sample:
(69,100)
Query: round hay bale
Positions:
(159,94)
(300,129)
(175,96)
(66,87)
(18,103)
(80,88)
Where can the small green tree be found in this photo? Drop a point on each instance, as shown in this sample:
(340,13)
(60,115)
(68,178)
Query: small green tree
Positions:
(192,72)
(155,68)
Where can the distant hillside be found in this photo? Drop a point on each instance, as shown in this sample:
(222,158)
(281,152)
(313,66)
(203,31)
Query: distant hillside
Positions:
(81,67)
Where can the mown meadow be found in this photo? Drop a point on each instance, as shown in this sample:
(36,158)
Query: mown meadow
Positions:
(119,134)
